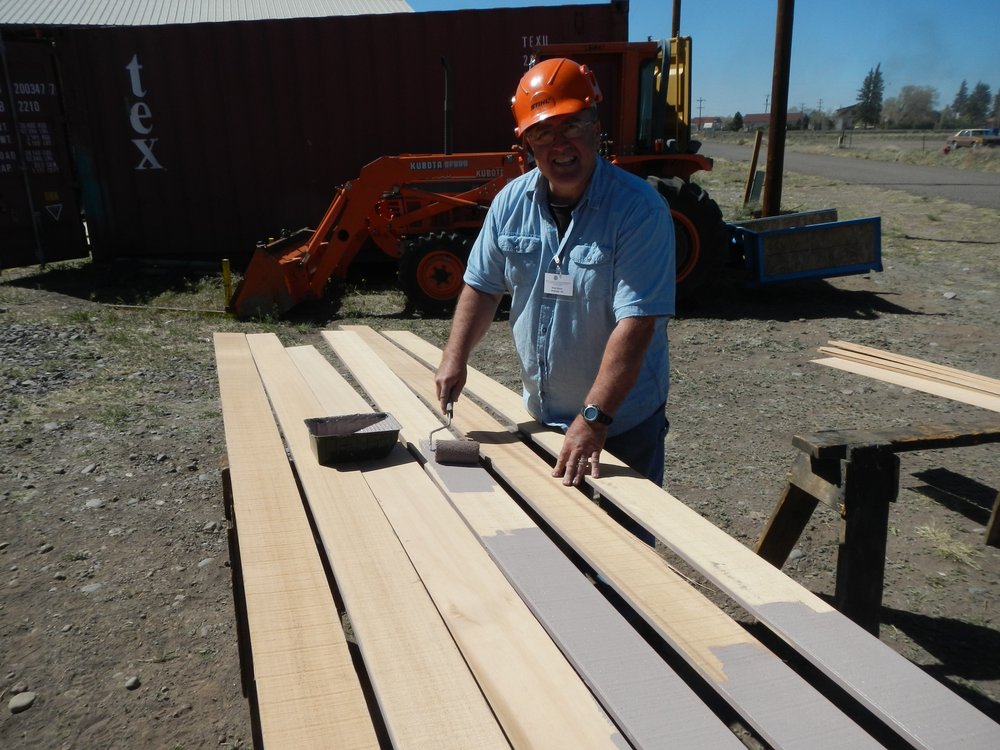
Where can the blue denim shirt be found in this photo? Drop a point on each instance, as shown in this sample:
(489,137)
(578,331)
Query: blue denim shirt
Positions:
(619,250)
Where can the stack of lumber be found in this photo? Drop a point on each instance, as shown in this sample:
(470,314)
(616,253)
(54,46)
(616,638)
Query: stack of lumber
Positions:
(472,622)
(909,372)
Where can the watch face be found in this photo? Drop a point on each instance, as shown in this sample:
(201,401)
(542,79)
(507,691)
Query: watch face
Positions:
(590,413)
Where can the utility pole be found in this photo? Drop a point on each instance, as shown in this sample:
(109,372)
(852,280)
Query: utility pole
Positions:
(773,174)
(701,124)
(767,103)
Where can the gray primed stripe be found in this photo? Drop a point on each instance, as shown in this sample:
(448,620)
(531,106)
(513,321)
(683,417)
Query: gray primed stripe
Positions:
(787,715)
(779,704)
(895,689)
(651,704)
(458,478)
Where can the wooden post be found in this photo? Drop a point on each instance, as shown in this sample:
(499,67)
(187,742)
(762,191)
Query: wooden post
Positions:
(871,482)
(748,189)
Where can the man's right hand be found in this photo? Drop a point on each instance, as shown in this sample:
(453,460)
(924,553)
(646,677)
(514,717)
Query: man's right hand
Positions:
(473,315)
(450,380)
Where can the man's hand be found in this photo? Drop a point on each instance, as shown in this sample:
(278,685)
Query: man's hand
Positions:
(450,380)
(581,451)
(473,315)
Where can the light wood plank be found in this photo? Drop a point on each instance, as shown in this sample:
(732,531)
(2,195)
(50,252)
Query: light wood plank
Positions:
(537,696)
(427,695)
(789,713)
(992,384)
(308,693)
(964,395)
(923,711)
(960,380)
(624,672)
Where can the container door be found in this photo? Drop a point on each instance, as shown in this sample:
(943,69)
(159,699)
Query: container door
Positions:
(39,213)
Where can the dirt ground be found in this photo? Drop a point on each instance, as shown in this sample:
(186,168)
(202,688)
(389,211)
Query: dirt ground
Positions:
(116,615)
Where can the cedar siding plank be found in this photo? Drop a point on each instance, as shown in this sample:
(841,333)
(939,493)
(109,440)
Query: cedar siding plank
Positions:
(936,388)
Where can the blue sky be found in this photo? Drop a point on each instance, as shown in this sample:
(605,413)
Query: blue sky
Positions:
(834,45)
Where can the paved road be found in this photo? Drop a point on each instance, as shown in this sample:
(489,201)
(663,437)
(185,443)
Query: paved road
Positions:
(962,186)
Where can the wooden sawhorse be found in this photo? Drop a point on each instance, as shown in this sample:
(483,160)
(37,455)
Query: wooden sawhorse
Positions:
(856,473)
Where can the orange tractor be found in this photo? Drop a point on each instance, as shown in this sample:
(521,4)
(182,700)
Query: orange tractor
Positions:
(426,210)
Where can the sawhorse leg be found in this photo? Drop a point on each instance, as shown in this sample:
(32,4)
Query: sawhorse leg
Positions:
(871,483)
(786,525)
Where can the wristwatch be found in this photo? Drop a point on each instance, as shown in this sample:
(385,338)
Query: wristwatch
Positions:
(594,414)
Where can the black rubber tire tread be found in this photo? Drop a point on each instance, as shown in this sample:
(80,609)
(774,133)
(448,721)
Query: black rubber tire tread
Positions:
(693,203)
(414,252)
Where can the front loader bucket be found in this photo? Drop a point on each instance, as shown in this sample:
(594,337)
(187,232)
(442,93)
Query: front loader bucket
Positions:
(273,284)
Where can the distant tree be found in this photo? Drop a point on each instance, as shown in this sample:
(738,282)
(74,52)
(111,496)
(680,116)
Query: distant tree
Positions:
(736,124)
(977,105)
(960,98)
(995,112)
(913,108)
(869,109)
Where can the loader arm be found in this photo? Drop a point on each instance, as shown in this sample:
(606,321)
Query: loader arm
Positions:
(394,197)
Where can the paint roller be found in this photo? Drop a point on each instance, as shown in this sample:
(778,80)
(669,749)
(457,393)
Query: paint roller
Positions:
(463,452)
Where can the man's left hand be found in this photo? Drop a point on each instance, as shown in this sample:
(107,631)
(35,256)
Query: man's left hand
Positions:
(581,452)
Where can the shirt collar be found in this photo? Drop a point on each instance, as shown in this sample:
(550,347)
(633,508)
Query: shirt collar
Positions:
(594,195)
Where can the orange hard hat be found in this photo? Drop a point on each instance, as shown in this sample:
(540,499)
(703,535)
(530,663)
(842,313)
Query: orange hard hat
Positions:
(553,87)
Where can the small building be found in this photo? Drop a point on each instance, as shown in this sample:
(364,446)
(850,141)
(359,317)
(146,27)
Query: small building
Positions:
(843,118)
(762,121)
(706,123)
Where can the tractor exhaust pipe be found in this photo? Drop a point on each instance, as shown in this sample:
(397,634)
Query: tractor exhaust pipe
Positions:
(447,107)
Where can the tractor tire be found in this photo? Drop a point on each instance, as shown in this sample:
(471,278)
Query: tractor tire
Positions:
(699,233)
(431,269)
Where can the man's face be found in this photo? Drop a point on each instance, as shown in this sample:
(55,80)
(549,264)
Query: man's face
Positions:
(565,148)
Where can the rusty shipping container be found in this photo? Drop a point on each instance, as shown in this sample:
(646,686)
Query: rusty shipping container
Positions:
(197,141)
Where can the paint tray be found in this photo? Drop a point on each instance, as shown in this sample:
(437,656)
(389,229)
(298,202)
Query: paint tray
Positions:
(352,437)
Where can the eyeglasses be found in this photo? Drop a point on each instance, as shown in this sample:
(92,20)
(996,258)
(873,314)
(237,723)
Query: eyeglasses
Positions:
(544,135)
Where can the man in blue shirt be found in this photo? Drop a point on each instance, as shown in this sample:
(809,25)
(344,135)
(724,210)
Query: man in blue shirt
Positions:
(586,251)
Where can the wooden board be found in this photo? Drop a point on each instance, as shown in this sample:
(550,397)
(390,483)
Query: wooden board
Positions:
(788,713)
(992,384)
(625,673)
(537,696)
(424,689)
(953,392)
(308,694)
(940,375)
(921,710)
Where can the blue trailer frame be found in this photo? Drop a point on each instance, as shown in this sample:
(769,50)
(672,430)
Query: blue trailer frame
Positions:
(806,245)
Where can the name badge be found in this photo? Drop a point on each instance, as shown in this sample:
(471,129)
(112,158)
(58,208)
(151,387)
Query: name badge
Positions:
(559,284)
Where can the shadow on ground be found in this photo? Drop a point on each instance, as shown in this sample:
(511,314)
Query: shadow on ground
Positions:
(732,299)
(140,282)
(959,493)
(961,648)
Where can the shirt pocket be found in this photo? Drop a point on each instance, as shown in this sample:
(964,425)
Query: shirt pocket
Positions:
(592,267)
(521,255)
